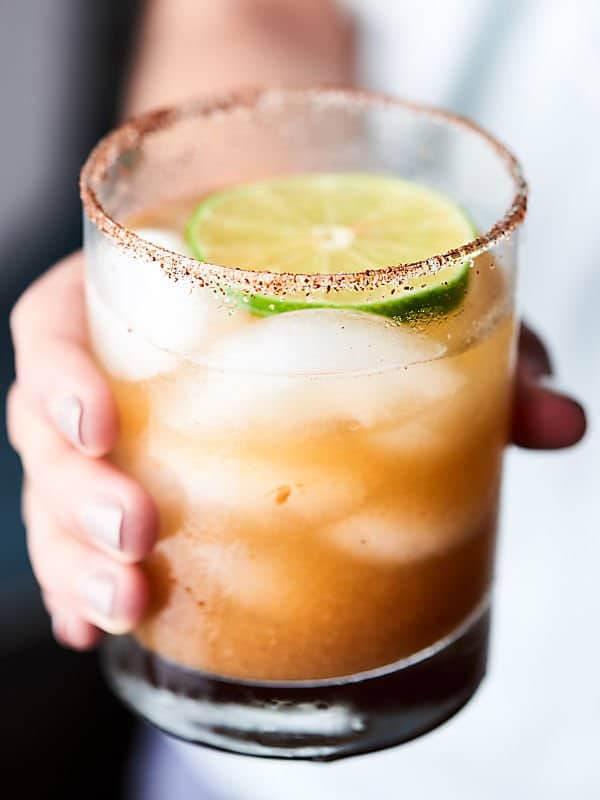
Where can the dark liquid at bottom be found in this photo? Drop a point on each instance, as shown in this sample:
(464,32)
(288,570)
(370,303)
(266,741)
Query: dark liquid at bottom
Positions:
(317,721)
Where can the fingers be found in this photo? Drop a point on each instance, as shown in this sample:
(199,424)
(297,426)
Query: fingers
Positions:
(543,419)
(87,524)
(533,353)
(74,632)
(69,628)
(82,585)
(55,372)
(88,498)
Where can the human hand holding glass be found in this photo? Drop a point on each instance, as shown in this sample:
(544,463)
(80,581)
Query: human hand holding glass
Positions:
(63,422)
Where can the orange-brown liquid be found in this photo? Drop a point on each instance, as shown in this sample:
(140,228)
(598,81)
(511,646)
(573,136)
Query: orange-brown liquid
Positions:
(291,550)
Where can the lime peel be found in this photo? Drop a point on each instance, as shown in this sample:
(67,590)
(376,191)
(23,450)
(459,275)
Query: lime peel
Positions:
(309,224)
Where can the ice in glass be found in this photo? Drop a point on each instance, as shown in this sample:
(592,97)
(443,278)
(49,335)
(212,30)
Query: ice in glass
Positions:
(324,449)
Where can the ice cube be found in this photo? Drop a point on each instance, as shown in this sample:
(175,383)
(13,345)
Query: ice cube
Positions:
(232,570)
(394,534)
(274,492)
(412,438)
(304,369)
(173,315)
(123,353)
(211,403)
(322,341)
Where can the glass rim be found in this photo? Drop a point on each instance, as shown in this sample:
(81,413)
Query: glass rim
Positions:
(177,265)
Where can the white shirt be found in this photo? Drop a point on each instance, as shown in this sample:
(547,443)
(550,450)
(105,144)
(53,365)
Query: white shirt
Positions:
(529,71)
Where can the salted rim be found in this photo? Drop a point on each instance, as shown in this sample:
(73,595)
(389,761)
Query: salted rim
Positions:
(177,265)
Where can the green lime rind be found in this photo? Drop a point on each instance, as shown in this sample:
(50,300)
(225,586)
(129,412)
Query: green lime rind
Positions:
(432,302)
(410,302)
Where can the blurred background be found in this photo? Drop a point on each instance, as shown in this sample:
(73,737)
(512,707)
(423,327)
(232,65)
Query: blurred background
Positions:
(525,69)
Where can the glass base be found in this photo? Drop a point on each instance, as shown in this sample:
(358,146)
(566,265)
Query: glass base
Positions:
(317,720)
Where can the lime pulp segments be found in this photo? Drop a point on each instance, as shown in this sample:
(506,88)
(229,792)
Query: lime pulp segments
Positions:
(336,223)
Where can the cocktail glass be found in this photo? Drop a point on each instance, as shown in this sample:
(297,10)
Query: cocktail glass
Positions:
(327,481)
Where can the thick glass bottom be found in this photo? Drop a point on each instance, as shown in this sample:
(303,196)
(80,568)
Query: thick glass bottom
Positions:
(317,720)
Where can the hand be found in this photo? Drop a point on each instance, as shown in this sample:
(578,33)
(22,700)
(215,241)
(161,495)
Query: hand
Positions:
(88,525)
(543,419)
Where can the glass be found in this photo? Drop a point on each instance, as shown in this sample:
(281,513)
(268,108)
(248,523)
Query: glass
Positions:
(327,492)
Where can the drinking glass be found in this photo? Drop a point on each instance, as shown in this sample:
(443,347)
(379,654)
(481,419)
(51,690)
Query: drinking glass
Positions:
(327,481)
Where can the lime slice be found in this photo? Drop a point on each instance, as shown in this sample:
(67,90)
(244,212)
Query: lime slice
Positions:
(327,224)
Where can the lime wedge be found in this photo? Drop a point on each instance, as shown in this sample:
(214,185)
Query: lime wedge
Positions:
(333,223)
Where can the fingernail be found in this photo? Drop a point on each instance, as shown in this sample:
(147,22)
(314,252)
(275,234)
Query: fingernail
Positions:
(103,521)
(66,413)
(98,591)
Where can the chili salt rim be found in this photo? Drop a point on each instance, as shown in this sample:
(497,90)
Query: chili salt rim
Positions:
(177,265)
